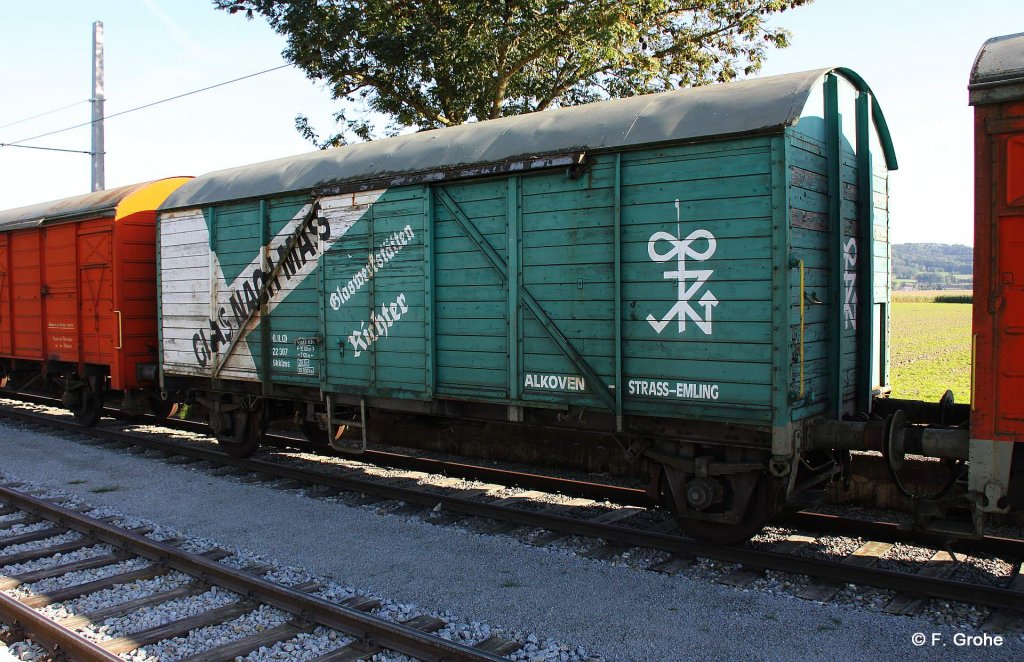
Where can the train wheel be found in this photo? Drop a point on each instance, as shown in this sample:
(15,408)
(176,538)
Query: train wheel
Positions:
(248,427)
(88,410)
(160,408)
(313,434)
(759,507)
(82,399)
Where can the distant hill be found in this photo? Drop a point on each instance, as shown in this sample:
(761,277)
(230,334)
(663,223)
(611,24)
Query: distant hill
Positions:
(931,266)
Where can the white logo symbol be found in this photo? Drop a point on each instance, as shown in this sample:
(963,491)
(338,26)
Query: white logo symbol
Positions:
(850,279)
(690,281)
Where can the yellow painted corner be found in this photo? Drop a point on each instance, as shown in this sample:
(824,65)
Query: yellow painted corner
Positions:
(148,197)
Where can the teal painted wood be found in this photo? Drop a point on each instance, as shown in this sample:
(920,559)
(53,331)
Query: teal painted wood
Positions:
(864,248)
(266,384)
(431,339)
(541,290)
(535,308)
(298,315)
(866,348)
(371,287)
(513,313)
(781,360)
(321,308)
(211,222)
(705,210)
(471,296)
(729,198)
(379,340)
(808,202)
(693,152)
(833,133)
(617,293)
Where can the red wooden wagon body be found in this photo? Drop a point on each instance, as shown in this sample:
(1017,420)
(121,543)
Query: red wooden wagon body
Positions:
(997,394)
(78,288)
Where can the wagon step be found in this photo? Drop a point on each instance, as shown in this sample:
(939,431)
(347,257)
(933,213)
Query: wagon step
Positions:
(340,444)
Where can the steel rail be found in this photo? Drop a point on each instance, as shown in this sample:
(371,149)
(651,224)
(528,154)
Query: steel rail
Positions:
(834,570)
(891,532)
(629,496)
(818,522)
(366,628)
(619,494)
(934,587)
(28,623)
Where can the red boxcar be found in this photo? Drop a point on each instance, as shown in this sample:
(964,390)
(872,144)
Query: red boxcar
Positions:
(997,398)
(78,294)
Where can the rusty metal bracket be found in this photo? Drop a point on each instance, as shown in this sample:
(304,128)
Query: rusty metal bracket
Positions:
(704,466)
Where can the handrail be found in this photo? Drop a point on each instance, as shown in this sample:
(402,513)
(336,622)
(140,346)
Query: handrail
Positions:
(120,330)
(802,304)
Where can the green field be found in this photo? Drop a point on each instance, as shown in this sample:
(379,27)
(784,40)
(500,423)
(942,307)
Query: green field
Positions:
(931,350)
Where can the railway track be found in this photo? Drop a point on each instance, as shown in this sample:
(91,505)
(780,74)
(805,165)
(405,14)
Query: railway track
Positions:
(615,531)
(366,634)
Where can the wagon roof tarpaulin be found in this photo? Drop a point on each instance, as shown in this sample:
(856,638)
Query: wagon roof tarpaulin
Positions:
(998,71)
(745,107)
(96,204)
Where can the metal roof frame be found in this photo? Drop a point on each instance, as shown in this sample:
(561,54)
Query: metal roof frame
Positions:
(523,142)
(998,71)
(98,204)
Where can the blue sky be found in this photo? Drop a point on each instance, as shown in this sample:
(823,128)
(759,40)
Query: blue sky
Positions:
(915,54)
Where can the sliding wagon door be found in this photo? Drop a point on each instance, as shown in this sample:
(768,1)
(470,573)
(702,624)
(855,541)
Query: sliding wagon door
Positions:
(374,292)
(99,331)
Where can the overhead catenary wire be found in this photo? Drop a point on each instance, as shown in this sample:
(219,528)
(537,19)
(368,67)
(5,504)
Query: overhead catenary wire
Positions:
(17,143)
(43,114)
(48,149)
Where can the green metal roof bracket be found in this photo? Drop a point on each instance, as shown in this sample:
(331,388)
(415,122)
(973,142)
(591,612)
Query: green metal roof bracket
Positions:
(866,357)
(515,274)
(619,424)
(881,127)
(833,135)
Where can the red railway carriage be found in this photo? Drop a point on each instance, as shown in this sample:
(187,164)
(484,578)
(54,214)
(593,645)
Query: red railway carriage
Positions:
(78,294)
(997,399)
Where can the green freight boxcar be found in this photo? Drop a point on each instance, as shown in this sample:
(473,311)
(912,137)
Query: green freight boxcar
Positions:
(701,273)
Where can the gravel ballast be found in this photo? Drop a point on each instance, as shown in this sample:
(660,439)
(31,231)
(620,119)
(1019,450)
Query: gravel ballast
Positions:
(614,611)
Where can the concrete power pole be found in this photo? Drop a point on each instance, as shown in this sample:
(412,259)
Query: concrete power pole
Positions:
(98,183)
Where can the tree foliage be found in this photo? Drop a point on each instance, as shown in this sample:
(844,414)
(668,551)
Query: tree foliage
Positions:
(932,264)
(436,63)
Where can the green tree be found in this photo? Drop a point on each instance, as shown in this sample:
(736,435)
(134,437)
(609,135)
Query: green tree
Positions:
(436,63)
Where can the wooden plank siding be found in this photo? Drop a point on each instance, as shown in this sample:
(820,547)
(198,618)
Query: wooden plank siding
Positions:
(504,289)
(808,209)
(726,193)
(396,363)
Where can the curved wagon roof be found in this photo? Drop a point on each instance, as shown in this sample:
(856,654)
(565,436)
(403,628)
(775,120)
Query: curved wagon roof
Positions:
(998,71)
(98,204)
(519,142)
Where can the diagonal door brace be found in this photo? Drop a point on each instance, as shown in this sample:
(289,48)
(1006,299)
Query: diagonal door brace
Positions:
(593,380)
